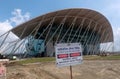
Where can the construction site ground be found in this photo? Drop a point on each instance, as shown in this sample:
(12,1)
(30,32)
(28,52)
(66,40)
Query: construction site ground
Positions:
(89,69)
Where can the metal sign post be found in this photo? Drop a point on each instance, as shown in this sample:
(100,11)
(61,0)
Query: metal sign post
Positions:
(71,77)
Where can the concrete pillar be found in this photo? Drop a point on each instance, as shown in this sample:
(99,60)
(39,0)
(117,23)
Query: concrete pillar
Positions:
(50,50)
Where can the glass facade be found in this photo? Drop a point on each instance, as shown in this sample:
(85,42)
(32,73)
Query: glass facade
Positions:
(34,46)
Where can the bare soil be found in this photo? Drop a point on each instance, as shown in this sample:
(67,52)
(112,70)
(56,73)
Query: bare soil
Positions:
(89,69)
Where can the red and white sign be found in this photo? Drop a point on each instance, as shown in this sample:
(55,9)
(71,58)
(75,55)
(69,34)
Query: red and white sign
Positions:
(68,54)
(2,70)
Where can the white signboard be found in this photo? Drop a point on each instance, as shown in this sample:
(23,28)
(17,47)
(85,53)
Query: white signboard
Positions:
(68,54)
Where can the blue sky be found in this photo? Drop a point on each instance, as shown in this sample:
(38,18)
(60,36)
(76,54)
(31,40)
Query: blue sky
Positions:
(14,12)
(39,7)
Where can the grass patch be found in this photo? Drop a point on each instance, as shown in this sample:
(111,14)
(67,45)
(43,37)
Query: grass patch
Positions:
(35,60)
(112,57)
(49,59)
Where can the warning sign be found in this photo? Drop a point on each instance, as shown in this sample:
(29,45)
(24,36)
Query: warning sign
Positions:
(2,70)
(68,54)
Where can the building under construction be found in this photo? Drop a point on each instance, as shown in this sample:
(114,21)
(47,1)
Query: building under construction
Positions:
(39,35)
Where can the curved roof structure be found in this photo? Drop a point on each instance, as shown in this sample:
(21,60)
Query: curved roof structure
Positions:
(87,15)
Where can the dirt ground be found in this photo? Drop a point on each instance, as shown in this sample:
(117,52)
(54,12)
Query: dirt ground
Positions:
(89,69)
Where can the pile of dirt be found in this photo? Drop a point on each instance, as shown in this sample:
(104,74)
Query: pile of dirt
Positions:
(96,69)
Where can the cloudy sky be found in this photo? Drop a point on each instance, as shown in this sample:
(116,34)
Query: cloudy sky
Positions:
(14,12)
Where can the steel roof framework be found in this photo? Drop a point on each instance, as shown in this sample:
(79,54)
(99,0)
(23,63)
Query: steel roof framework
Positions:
(68,18)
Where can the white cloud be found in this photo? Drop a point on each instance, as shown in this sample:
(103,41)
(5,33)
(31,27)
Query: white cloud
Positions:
(4,28)
(16,19)
(7,25)
(19,17)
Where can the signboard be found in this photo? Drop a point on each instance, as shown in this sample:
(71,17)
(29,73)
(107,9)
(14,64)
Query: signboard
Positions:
(3,68)
(68,54)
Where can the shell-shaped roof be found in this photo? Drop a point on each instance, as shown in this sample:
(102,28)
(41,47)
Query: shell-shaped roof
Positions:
(91,15)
